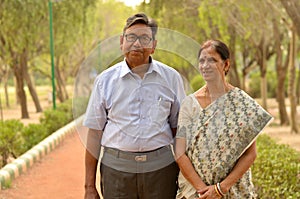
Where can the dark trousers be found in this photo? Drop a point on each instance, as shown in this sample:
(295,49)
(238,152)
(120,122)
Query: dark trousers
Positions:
(158,184)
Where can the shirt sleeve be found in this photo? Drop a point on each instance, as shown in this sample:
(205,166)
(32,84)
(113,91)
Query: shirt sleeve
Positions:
(96,114)
(179,96)
(186,118)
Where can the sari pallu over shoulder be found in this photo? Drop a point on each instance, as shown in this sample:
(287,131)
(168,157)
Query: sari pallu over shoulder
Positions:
(220,135)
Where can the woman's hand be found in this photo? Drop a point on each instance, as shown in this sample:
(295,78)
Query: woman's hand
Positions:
(208,192)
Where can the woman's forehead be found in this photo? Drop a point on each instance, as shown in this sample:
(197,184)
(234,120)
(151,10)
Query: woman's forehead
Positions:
(209,52)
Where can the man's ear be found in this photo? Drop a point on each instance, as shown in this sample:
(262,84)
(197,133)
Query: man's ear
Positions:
(121,41)
(154,46)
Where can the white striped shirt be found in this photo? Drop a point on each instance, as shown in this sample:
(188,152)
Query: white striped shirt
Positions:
(135,114)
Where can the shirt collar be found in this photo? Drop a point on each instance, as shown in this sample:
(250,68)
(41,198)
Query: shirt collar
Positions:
(126,70)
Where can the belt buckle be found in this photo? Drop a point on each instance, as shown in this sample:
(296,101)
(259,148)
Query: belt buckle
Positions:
(141,158)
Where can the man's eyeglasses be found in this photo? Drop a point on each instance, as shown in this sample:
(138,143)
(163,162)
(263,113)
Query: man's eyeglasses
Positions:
(144,39)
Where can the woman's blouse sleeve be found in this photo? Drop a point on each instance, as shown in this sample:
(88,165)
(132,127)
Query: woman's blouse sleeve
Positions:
(189,110)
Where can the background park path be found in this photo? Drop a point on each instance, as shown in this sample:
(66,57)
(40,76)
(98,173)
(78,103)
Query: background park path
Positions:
(58,175)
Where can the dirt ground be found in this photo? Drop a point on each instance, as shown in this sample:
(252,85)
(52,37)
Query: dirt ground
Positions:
(58,175)
(282,134)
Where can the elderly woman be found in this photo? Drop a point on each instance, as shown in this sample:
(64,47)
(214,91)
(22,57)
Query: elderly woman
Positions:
(217,128)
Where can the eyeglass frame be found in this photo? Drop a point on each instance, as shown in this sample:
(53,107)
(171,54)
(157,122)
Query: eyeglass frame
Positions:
(138,38)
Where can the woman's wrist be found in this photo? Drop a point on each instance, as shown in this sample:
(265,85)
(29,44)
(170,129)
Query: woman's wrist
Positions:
(223,188)
(216,187)
(200,187)
(220,189)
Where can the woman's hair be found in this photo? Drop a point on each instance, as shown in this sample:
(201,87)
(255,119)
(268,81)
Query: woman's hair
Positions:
(220,47)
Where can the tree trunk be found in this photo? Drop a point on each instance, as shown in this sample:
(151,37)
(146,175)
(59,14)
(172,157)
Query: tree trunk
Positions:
(16,92)
(233,73)
(292,76)
(18,72)
(243,86)
(59,91)
(5,84)
(264,91)
(6,95)
(29,82)
(298,86)
(284,119)
(281,73)
(263,72)
(61,87)
(1,111)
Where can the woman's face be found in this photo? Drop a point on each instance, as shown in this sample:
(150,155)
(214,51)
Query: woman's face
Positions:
(137,44)
(211,65)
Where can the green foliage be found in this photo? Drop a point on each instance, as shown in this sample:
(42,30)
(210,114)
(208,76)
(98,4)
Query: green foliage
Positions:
(254,84)
(197,82)
(52,119)
(79,106)
(213,22)
(276,170)
(10,139)
(15,138)
(66,108)
(32,135)
(55,119)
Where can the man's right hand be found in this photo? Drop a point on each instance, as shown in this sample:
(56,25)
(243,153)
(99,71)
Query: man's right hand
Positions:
(91,193)
(91,162)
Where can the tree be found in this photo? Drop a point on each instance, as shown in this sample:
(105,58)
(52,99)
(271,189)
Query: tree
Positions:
(292,8)
(71,33)
(281,72)
(258,39)
(280,30)
(4,75)
(291,87)
(19,47)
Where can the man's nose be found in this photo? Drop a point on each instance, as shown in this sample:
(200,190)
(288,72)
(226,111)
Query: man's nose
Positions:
(137,42)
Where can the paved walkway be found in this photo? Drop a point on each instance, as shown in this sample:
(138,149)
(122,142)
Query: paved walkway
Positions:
(58,175)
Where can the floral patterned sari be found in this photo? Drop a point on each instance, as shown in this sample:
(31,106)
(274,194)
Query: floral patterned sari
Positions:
(216,137)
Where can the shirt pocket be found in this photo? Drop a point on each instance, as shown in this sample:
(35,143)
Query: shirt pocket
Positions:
(160,110)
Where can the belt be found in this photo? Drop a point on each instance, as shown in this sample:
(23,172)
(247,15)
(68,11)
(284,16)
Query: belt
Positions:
(137,156)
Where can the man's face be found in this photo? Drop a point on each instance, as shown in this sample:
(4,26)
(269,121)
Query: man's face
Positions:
(137,45)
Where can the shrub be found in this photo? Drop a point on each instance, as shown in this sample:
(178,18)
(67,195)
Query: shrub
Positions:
(79,106)
(32,135)
(66,107)
(276,170)
(55,119)
(10,139)
(16,139)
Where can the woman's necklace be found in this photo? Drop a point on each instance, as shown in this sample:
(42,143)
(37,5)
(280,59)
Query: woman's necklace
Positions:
(208,97)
